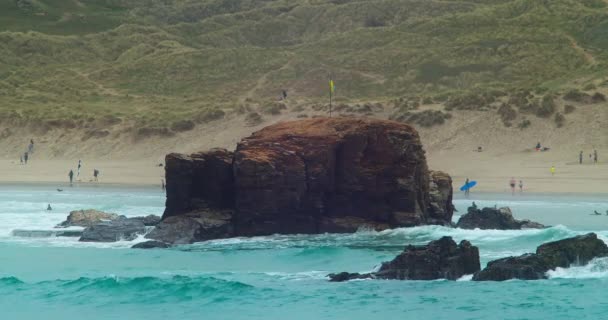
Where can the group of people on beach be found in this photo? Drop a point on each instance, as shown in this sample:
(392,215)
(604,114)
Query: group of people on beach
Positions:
(96,173)
(591,156)
(513,184)
(26,155)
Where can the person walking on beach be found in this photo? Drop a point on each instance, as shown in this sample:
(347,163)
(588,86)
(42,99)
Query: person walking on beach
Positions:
(468,189)
(30,147)
(162,184)
(79,166)
(594,156)
(96,175)
(71,175)
(580,158)
(512,184)
(521,186)
(25,157)
(552,170)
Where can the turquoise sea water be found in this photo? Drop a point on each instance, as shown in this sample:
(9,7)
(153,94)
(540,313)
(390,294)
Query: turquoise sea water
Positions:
(279,277)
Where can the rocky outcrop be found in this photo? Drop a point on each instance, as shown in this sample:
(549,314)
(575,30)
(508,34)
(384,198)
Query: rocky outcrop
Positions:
(440,259)
(86,218)
(151,245)
(114,230)
(492,218)
(308,176)
(549,256)
(149,220)
(194,227)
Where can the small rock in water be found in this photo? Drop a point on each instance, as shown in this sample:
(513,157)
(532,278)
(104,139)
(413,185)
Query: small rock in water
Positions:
(86,218)
(45,233)
(151,245)
(495,219)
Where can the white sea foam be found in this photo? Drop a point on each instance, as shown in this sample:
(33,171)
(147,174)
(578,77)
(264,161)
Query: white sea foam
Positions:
(25,208)
(596,268)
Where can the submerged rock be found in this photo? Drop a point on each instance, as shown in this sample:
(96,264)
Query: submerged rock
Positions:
(532,266)
(115,230)
(439,259)
(492,218)
(151,245)
(307,176)
(86,218)
(45,233)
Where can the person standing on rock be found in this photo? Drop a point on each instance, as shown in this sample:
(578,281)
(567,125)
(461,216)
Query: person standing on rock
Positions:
(71,175)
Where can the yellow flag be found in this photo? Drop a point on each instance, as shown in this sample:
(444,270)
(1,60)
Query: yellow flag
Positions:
(332,88)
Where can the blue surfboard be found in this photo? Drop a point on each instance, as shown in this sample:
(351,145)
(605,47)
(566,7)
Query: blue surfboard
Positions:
(468,186)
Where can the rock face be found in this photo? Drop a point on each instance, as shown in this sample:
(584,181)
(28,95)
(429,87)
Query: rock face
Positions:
(115,230)
(199,181)
(491,218)
(563,253)
(440,194)
(440,259)
(308,176)
(86,218)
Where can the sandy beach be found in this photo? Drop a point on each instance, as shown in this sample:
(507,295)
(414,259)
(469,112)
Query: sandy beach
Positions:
(124,172)
(493,172)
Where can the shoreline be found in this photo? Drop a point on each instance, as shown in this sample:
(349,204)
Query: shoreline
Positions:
(55,172)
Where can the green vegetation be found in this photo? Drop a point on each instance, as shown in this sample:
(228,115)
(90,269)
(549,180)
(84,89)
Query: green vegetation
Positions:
(159,64)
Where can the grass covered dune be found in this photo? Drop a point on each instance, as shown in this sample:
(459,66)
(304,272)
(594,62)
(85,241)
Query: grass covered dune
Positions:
(154,63)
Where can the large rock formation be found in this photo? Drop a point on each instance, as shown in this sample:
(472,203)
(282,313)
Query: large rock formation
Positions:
(440,259)
(492,218)
(86,218)
(309,176)
(563,253)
